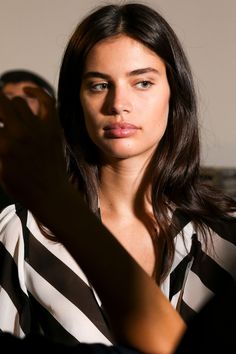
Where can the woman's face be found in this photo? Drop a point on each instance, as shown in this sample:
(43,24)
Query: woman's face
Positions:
(125,98)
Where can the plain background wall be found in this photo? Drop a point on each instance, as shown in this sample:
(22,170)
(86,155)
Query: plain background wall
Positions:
(33,35)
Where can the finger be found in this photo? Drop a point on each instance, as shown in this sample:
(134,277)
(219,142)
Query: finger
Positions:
(4,142)
(6,110)
(14,114)
(46,102)
(10,119)
(22,109)
(2,138)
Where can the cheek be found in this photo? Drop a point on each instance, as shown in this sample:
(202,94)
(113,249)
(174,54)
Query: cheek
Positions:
(91,124)
(164,118)
(91,113)
(160,111)
(89,110)
(166,114)
(89,116)
(159,119)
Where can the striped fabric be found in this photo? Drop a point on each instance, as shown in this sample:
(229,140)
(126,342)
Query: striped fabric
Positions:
(42,288)
(198,272)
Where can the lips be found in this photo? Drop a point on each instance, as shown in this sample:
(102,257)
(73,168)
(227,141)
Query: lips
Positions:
(120,130)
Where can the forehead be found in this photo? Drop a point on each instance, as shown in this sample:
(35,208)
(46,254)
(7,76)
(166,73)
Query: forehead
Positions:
(17,86)
(121,52)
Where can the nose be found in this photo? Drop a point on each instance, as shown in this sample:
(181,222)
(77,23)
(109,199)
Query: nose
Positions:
(120,101)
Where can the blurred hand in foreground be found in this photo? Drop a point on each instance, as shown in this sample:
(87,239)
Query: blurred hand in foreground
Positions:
(31,147)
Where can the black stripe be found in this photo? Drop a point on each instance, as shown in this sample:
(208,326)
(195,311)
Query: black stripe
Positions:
(66,282)
(212,330)
(10,282)
(22,213)
(186,312)
(177,277)
(225,229)
(50,326)
(62,277)
(212,275)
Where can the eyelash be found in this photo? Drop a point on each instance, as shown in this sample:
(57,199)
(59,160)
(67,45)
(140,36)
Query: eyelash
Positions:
(147,84)
(105,85)
(99,87)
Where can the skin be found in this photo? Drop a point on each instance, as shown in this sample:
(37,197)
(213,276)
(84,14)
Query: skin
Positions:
(12,90)
(132,87)
(139,314)
(125,82)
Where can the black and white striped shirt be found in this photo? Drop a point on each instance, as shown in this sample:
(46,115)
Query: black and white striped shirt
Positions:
(43,289)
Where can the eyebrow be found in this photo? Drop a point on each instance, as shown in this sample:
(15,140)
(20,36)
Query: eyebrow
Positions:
(91,74)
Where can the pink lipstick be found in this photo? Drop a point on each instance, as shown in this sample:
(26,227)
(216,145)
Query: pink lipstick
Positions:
(120,130)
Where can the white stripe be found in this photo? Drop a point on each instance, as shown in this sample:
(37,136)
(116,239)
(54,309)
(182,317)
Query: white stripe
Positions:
(13,241)
(10,229)
(165,286)
(183,244)
(63,310)
(6,214)
(175,299)
(224,253)
(9,318)
(196,294)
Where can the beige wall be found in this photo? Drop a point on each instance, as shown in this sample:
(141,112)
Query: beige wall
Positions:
(33,35)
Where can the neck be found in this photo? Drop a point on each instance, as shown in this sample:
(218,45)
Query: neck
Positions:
(124,186)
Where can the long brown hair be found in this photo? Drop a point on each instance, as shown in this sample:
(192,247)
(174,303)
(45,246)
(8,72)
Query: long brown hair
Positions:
(175,166)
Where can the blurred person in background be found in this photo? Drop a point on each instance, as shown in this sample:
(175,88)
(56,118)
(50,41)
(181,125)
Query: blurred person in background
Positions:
(12,84)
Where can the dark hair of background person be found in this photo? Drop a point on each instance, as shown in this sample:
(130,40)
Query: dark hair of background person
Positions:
(176,163)
(17,76)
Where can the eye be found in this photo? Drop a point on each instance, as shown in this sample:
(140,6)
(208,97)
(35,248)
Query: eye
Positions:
(145,84)
(102,86)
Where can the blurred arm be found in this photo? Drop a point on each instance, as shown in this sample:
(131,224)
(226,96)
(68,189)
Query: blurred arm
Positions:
(32,170)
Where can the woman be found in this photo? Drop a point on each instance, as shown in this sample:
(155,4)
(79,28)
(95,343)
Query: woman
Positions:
(127,107)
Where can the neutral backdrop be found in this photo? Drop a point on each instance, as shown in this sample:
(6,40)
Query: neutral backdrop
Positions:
(33,35)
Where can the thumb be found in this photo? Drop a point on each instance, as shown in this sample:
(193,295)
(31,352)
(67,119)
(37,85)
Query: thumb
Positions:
(47,104)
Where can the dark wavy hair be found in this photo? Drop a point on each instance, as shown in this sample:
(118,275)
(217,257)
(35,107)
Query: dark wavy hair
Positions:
(176,163)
